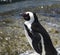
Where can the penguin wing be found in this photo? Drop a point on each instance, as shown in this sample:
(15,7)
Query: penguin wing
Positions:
(37,46)
(36,40)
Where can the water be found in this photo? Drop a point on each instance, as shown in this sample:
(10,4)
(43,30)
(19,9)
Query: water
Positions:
(24,4)
(27,4)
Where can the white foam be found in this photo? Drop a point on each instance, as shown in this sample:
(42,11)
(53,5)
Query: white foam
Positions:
(54,25)
(58,50)
(29,53)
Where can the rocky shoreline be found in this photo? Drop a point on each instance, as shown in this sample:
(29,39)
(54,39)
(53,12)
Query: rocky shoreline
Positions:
(13,40)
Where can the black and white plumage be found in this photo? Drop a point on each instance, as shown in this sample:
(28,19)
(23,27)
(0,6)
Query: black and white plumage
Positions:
(37,36)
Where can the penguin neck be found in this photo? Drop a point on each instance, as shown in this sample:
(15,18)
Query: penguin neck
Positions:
(29,23)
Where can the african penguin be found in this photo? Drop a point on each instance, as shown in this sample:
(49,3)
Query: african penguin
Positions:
(37,36)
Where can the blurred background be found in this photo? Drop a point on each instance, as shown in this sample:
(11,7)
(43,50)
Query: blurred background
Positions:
(12,38)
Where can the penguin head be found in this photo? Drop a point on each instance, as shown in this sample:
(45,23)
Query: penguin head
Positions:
(29,16)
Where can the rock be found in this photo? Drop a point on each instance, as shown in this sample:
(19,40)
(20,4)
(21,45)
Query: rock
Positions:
(53,30)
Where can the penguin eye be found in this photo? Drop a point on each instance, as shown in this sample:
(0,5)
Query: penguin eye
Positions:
(26,17)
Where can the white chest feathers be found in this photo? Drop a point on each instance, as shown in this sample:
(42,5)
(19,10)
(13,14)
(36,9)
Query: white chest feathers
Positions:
(28,25)
(28,38)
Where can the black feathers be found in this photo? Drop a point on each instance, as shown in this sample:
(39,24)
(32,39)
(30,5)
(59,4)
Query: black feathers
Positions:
(36,40)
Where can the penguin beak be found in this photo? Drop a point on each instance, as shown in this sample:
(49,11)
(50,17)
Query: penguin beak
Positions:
(21,14)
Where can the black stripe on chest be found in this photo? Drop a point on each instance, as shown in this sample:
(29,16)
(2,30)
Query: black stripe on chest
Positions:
(36,40)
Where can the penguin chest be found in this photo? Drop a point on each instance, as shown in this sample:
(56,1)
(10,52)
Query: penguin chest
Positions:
(28,37)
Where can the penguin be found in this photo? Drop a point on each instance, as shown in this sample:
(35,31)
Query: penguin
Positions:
(37,36)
